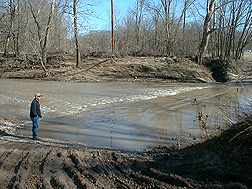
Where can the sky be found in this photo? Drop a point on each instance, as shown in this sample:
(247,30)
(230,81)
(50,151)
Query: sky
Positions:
(104,12)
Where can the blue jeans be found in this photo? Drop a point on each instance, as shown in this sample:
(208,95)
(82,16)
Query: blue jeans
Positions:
(35,123)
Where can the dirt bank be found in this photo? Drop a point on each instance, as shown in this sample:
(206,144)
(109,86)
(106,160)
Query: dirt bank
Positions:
(103,69)
(99,68)
(222,162)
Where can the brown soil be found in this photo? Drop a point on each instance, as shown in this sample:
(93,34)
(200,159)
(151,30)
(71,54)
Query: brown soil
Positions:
(221,162)
(102,69)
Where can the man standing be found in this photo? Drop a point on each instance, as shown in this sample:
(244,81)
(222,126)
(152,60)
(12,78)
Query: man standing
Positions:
(35,114)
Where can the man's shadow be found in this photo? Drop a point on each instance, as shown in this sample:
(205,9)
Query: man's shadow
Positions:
(4,133)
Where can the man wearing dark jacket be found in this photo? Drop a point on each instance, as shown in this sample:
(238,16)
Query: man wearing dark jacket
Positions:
(35,114)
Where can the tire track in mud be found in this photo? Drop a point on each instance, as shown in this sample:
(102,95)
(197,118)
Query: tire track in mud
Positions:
(108,170)
(29,164)
(10,160)
(38,166)
(26,170)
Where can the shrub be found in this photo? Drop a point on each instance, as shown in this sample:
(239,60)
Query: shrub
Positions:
(219,69)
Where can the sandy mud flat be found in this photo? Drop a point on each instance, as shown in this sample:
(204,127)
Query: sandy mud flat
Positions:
(222,162)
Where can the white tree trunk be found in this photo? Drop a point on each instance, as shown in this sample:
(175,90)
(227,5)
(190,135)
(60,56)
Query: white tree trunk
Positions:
(206,29)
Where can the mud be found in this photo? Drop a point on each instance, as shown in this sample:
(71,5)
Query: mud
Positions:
(61,67)
(221,162)
(104,69)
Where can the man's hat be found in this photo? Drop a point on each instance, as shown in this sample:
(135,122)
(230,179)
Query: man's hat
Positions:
(38,95)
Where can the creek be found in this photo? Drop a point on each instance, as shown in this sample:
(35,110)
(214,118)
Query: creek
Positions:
(126,116)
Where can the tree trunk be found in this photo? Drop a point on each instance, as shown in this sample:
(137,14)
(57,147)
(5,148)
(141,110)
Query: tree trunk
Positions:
(206,29)
(245,37)
(16,34)
(6,46)
(43,41)
(166,5)
(112,28)
(76,34)
(12,12)
(42,62)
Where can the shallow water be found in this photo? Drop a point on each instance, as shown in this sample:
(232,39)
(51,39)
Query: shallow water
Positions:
(125,116)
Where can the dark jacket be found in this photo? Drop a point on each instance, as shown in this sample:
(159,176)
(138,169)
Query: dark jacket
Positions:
(35,109)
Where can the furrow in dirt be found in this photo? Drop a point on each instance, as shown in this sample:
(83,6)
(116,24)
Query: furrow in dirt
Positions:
(52,164)
(58,181)
(41,167)
(27,169)
(52,169)
(21,173)
(147,182)
(11,161)
(7,149)
(73,173)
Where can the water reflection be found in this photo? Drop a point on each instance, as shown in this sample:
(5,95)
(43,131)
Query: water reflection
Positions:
(126,116)
(173,120)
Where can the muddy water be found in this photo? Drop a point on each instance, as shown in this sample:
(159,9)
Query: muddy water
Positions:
(126,116)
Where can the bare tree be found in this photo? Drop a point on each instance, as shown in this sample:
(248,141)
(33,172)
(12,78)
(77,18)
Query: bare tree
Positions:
(187,4)
(76,35)
(206,29)
(12,7)
(42,35)
(16,33)
(79,10)
(166,4)
(232,29)
(163,27)
(246,31)
(11,24)
(138,13)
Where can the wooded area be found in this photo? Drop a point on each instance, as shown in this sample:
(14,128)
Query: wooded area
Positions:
(219,29)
